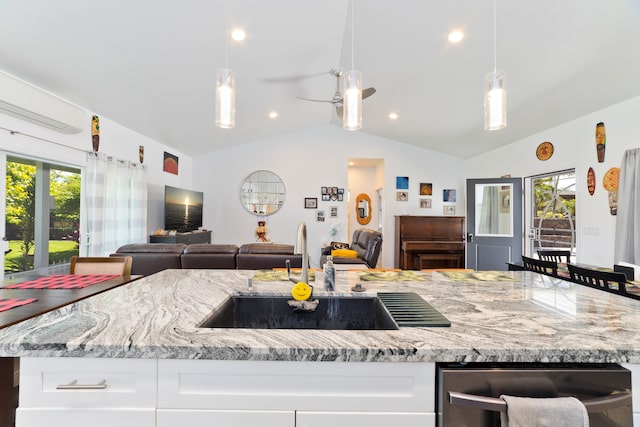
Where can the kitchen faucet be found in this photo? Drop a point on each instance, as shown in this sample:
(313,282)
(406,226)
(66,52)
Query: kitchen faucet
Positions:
(301,243)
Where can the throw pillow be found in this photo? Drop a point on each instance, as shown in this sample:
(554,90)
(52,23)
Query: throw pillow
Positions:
(344,253)
(339,245)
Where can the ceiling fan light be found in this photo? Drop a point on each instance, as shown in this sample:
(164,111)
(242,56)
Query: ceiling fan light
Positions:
(225,99)
(495,101)
(352,104)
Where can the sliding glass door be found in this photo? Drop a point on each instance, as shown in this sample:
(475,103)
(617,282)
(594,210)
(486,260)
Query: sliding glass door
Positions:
(42,215)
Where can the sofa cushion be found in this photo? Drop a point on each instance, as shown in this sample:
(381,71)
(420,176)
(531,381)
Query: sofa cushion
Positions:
(210,248)
(175,248)
(266,248)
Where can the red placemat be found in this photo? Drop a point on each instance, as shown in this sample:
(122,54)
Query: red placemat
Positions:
(63,281)
(9,303)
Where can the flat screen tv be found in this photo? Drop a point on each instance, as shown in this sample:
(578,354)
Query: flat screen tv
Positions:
(182,209)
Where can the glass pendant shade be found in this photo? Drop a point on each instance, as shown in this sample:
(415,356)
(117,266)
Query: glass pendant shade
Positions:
(352,101)
(495,101)
(225,98)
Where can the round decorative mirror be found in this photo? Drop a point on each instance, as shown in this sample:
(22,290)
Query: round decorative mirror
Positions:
(263,193)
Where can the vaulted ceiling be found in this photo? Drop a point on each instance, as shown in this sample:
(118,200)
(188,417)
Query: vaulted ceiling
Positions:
(150,64)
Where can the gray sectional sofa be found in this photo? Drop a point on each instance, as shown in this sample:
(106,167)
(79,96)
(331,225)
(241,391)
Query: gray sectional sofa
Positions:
(149,258)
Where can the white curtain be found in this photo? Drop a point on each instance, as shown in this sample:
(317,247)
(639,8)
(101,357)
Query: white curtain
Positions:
(627,244)
(116,203)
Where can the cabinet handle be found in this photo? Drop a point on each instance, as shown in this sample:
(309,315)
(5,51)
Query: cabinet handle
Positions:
(73,385)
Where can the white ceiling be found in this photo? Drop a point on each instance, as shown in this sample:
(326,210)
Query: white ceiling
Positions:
(150,64)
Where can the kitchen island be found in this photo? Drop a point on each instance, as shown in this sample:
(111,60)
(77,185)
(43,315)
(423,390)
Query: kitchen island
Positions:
(517,317)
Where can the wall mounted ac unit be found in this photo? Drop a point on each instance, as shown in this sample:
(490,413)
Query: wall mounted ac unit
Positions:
(25,101)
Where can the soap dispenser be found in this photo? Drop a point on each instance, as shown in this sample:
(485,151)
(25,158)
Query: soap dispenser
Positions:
(329,273)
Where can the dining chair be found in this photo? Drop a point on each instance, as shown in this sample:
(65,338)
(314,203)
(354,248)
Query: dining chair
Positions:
(101,265)
(550,268)
(555,255)
(606,280)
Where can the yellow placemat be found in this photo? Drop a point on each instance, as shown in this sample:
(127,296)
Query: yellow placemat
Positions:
(278,275)
(391,276)
(475,276)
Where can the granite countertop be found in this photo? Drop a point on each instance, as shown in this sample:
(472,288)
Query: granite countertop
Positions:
(519,316)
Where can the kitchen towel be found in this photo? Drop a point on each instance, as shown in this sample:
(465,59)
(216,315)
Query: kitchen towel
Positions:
(545,412)
(9,303)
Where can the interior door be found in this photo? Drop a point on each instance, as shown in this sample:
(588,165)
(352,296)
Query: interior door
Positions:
(494,223)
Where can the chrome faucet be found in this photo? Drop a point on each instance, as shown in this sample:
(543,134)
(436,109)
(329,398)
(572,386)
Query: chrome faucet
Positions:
(301,243)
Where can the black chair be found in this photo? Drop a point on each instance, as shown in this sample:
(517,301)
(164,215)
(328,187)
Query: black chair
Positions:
(605,280)
(555,255)
(550,268)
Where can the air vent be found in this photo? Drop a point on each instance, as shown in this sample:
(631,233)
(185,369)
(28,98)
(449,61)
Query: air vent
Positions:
(410,310)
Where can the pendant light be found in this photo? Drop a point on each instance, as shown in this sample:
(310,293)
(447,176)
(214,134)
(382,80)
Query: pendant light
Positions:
(352,99)
(225,88)
(495,91)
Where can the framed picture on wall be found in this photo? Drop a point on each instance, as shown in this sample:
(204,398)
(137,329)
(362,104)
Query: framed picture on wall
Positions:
(425,203)
(310,202)
(449,209)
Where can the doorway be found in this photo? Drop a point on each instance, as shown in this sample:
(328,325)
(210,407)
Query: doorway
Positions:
(552,218)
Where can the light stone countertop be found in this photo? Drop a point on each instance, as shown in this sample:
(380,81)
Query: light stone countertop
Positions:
(533,318)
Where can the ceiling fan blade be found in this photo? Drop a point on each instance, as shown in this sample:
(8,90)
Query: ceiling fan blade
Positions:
(293,78)
(330,101)
(368,92)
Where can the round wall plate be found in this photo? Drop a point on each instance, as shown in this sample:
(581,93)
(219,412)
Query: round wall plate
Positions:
(544,151)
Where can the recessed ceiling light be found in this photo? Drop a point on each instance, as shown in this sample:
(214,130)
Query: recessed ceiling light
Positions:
(456,36)
(393,116)
(351,163)
(238,35)
(273,114)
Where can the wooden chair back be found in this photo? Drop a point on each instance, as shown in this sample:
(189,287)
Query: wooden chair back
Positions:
(606,280)
(550,268)
(555,255)
(101,265)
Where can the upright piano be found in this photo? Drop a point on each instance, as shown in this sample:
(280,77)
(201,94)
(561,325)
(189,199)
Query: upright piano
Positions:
(423,242)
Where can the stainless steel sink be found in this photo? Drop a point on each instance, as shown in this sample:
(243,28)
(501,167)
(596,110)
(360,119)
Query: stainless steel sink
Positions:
(273,312)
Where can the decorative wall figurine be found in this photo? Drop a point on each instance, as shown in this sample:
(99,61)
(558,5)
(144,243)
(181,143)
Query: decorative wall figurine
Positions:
(610,183)
(261,231)
(141,153)
(95,133)
(601,141)
(591,181)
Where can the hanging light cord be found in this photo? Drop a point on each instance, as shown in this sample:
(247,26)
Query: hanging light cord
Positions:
(495,49)
(352,31)
(226,32)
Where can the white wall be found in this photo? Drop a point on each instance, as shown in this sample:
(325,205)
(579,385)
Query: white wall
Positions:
(574,147)
(306,161)
(115,139)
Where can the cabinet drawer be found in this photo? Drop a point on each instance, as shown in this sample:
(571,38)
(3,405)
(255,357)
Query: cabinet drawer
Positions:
(256,385)
(82,418)
(95,383)
(200,418)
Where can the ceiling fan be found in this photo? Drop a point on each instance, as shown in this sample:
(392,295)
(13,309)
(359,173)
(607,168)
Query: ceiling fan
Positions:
(337,99)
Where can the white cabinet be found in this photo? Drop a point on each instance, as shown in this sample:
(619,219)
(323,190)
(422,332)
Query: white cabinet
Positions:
(86,391)
(369,419)
(320,393)
(207,418)
(166,393)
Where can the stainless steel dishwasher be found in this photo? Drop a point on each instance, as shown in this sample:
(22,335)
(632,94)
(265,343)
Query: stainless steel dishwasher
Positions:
(468,394)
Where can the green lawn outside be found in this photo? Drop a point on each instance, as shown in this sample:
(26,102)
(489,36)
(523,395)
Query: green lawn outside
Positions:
(59,250)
